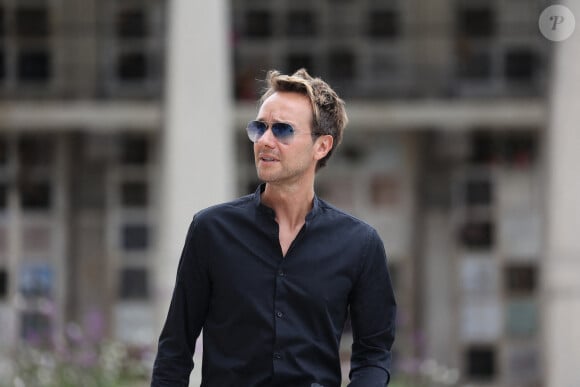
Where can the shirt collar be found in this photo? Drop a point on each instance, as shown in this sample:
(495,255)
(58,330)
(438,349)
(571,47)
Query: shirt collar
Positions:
(270,212)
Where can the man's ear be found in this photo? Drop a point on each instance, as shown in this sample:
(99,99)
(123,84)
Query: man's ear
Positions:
(322,146)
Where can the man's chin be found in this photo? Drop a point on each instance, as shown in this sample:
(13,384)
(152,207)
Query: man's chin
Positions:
(267,176)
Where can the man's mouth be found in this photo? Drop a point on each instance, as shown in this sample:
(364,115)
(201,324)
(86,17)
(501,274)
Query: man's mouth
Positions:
(268,158)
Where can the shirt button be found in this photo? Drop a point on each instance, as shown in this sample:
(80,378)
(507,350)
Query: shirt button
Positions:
(277,356)
(279,314)
(281,273)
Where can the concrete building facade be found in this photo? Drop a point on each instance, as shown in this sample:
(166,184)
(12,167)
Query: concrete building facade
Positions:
(119,120)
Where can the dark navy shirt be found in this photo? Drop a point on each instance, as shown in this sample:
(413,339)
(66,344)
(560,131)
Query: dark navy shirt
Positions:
(274,320)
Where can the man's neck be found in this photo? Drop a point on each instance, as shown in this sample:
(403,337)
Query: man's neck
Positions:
(290,203)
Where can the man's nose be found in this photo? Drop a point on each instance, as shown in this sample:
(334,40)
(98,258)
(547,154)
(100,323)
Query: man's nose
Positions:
(268,137)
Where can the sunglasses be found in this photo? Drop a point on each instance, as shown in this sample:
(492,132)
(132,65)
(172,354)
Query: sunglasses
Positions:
(282,131)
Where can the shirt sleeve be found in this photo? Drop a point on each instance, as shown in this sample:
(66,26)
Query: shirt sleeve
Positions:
(185,319)
(372,309)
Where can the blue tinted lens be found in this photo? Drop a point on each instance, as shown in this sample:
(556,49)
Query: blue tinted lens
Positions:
(282,131)
(255,130)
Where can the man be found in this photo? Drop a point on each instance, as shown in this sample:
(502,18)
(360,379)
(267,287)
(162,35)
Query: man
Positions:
(271,277)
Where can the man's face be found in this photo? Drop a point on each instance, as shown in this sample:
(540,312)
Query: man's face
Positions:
(295,158)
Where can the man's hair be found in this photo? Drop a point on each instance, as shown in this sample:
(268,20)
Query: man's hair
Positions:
(329,114)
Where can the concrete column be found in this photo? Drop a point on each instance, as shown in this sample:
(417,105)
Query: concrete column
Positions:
(562,261)
(197,139)
(78,60)
(439,300)
(432,46)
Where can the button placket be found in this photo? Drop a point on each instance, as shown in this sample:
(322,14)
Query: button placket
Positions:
(278,314)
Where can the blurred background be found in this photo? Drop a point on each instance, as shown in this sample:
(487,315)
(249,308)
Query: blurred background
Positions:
(121,118)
